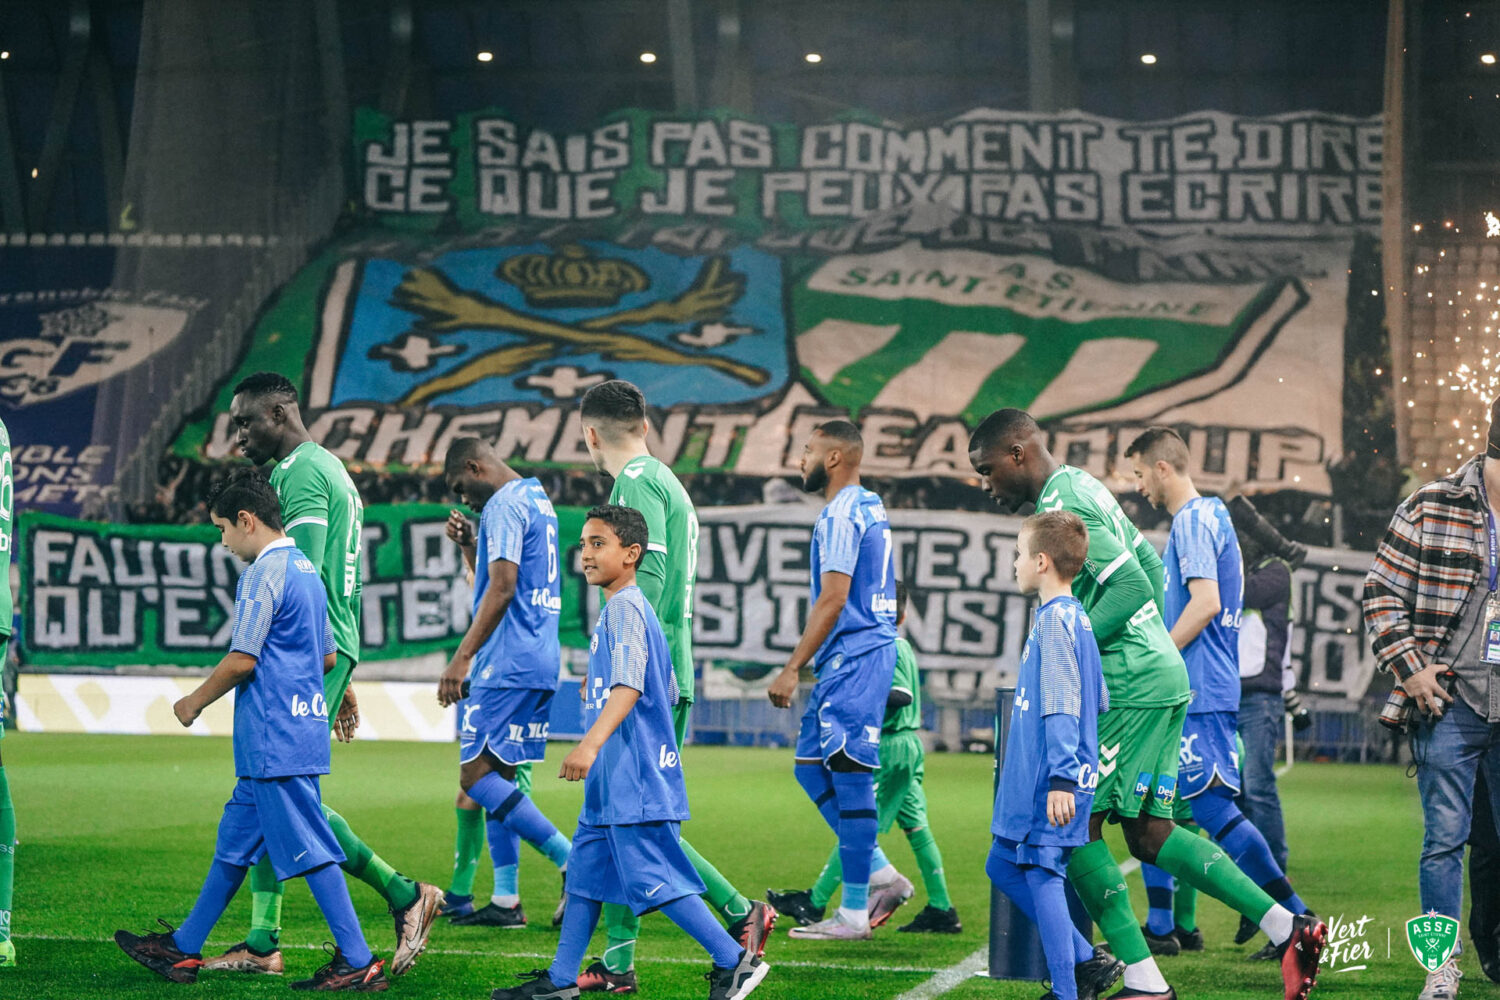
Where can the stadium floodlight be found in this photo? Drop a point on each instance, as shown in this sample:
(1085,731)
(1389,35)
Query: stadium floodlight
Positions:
(648,57)
(1148,58)
(813,57)
(5,54)
(1488,58)
(485,56)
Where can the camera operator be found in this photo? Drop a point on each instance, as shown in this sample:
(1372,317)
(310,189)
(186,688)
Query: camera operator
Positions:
(1431,608)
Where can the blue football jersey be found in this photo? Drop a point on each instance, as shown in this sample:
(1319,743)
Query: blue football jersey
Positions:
(519,526)
(281,619)
(1054,728)
(637,777)
(1202,546)
(853,537)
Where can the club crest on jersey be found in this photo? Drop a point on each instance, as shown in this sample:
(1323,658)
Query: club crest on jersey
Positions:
(1186,755)
(1022,702)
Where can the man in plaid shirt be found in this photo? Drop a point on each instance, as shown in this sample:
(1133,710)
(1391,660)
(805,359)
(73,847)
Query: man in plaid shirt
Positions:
(1430,605)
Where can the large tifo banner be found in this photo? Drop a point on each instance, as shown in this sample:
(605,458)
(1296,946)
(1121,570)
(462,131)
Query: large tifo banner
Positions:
(1078,267)
(100,595)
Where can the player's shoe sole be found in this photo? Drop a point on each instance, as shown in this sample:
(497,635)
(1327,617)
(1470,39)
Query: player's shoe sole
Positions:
(886,899)
(241,958)
(1097,974)
(832,929)
(157,953)
(797,904)
(414,926)
(597,979)
(338,976)
(1304,950)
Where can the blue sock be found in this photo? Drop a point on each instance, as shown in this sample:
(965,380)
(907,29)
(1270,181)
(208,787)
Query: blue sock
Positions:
(1054,924)
(816,781)
(505,857)
(858,825)
(331,893)
(1159,887)
(692,914)
(557,848)
(219,887)
(1216,812)
(1008,877)
(510,806)
(878,860)
(579,921)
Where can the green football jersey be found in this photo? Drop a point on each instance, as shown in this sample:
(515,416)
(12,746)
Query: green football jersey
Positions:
(322,512)
(1120,587)
(669,566)
(907,718)
(7,531)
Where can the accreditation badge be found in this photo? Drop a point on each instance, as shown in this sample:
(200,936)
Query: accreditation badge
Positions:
(1492,629)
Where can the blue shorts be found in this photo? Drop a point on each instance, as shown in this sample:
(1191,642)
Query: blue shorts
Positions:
(280,817)
(847,708)
(639,865)
(1048,857)
(1208,749)
(510,722)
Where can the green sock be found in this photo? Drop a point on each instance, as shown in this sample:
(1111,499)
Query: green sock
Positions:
(622,928)
(1101,887)
(1204,865)
(265,907)
(828,879)
(720,894)
(7,854)
(930,861)
(397,890)
(466,848)
(1185,899)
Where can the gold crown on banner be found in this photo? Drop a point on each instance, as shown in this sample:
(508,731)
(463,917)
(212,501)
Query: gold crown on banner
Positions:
(572,277)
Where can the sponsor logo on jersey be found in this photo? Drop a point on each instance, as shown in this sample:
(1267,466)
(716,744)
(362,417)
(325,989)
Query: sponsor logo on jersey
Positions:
(542,598)
(315,707)
(666,758)
(882,605)
(1142,784)
(467,725)
(1088,778)
(1187,755)
(1166,791)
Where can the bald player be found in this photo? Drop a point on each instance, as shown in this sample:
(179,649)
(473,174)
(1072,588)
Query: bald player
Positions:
(1121,589)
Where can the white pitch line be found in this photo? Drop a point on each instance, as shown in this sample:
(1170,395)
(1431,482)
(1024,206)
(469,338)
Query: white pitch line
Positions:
(481,953)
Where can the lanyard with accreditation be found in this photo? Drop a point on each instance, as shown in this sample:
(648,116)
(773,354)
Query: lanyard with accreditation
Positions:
(1492,602)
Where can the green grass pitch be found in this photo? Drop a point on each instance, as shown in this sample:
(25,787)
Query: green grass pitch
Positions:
(115,831)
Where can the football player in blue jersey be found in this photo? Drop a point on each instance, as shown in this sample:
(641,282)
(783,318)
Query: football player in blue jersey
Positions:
(850,642)
(1204,592)
(506,668)
(626,849)
(280,647)
(1051,767)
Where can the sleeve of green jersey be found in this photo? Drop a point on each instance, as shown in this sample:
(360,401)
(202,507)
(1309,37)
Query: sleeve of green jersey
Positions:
(1151,564)
(1123,586)
(651,575)
(304,510)
(905,678)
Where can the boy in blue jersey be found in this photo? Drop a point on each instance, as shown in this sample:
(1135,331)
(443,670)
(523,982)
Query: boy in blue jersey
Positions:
(850,641)
(281,645)
(1203,596)
(626,847)
(1051,768)
(508,661)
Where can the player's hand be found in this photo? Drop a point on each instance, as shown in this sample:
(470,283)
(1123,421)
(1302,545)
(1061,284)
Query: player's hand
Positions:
(347,721)
(1425,688)
(459,529)
(576,764)
(451,683)
(1061,808)
(187,713)
(784,688)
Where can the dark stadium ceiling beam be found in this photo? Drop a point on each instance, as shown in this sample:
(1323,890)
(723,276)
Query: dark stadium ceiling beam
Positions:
(107,116)
(64,101)
(684,58)
(331,69)
(397,83)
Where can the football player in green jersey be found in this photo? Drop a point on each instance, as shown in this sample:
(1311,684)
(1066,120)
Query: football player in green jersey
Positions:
(7,812)
(323,514)
(899,798)
(1121,586)
(614,427)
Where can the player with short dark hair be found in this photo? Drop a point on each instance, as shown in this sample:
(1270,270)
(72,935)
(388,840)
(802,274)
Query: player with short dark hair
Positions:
(626,849)
(1204,586)
(324,516)
(281,647)
(1121,589)
(1052,753)
(507,664)
(614,421)
(850,641)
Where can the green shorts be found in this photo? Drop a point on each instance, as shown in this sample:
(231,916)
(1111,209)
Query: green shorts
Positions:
(6,709)
(336,682)
(680,713)
(899,797)
(1138,754)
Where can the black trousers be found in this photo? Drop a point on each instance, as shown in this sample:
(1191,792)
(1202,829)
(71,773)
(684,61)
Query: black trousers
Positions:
(1484,877)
